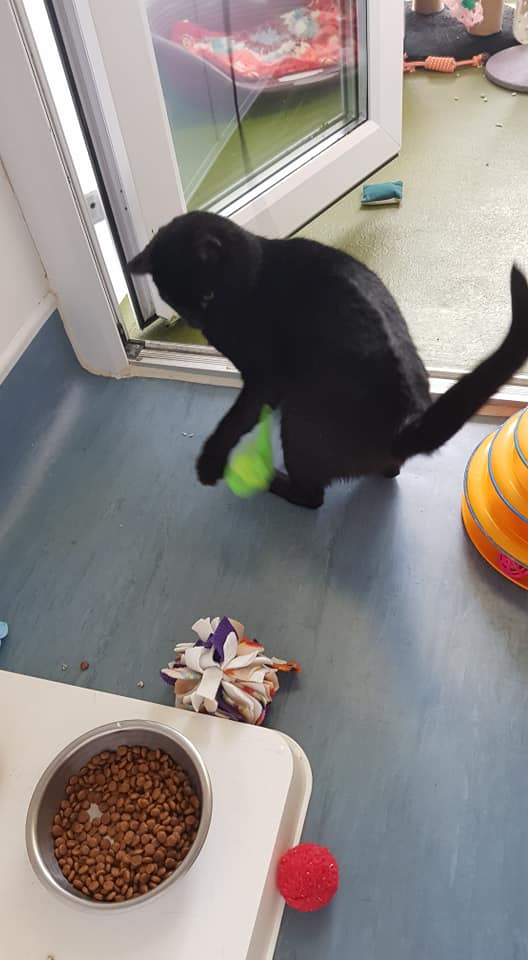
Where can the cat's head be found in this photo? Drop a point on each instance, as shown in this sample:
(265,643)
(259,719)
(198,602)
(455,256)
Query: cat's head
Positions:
(199,258)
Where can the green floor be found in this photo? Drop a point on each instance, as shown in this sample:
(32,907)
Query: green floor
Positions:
(162,331)
(206,138)
(274,124)
(446,252)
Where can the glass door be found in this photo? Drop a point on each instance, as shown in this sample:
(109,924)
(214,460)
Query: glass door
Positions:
(265,111)
(249,89)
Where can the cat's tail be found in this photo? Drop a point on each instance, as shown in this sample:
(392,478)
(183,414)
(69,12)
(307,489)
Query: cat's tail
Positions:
(429,430)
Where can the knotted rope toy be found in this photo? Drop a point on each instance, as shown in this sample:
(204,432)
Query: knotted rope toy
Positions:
(250,469)
(442,64)
(224,673)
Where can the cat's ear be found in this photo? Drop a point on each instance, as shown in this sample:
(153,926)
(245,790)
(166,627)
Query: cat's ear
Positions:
(209,249)
(142,262)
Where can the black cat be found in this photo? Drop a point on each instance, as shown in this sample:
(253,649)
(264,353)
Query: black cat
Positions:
(316,334)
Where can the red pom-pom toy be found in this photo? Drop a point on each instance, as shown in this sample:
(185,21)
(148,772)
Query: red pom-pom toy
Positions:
(308,877)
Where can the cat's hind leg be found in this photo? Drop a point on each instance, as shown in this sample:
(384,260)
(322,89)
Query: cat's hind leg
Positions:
(304,481)
(300,493)
(392,471)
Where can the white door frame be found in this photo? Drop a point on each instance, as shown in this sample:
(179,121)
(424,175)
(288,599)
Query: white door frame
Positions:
(41,173)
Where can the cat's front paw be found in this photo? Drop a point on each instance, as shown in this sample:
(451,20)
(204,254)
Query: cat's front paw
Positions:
(210,466)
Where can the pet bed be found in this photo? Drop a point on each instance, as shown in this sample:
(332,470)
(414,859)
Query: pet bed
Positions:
(303,40)
(277,49)
(291,46)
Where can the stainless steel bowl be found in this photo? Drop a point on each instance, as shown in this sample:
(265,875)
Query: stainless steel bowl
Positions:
(50,791)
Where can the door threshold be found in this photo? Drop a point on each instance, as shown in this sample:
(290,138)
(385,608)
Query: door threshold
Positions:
(511,398)
(196,363)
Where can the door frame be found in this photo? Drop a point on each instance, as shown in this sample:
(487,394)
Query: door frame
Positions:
(41,172)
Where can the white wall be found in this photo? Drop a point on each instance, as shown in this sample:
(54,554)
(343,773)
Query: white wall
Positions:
(25,300)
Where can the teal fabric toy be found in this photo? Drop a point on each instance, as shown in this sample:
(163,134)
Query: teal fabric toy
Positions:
(250,469)
(378,194)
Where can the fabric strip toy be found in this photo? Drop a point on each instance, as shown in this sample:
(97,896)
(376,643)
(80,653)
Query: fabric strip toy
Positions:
(224,673)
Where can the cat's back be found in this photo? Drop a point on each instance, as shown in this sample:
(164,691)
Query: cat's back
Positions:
(342,325)
(329,294)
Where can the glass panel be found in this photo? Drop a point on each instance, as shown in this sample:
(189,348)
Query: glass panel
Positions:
(250,85)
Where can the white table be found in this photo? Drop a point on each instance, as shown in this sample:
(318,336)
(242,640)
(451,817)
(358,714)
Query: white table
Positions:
(226,908)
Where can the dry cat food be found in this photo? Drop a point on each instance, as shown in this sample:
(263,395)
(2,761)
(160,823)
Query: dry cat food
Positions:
(128,819)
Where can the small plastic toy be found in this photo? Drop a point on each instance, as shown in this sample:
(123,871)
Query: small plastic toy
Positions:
(308,877)
(442,64)
(495,500)
(382,194)
(224,673)
(250,469)
(469,12)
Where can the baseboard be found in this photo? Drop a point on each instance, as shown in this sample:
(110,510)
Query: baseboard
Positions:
(31,326)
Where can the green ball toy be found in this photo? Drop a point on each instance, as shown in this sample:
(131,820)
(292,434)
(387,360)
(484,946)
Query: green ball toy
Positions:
(250,469)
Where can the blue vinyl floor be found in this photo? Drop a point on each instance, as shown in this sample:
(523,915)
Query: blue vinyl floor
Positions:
(413,701)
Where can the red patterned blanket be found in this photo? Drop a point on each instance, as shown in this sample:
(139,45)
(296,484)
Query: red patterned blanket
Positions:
(305,38)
